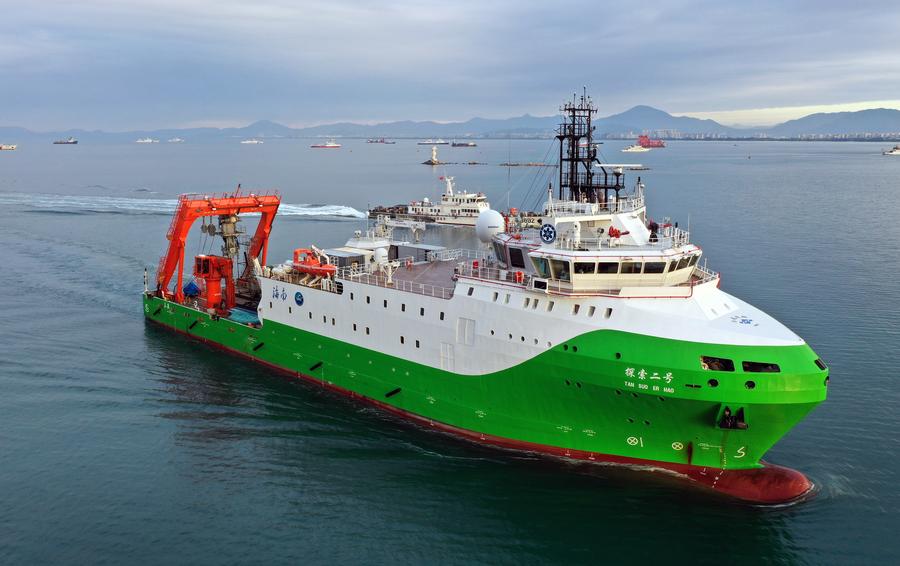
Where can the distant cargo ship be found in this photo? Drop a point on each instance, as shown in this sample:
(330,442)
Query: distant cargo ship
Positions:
(645,141)
(430,141)
(252,142)
(465,144)
(380,140)
(146,140)
(68,141)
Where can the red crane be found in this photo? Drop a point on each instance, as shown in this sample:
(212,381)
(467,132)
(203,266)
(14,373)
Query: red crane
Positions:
(192,207)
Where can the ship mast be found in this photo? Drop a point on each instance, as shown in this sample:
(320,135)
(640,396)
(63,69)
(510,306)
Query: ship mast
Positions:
(578,179)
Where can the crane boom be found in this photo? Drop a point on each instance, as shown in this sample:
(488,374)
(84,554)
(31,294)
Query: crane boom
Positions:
(192,207)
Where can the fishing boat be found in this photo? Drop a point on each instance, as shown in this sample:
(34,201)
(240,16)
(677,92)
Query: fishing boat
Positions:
(455,208)
(146,140)
(600,336)
(893,151)
(330,144)
(68,141)
(252,141)
(635,149)
(431,141)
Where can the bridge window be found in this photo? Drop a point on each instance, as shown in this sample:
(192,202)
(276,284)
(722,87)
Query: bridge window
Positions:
(585,267)
(694,259)
(541,266)
(631,267)
(608,267)
(682,263)
(516,258)
(560,269)
(654,267)
(760,367)
(716,364)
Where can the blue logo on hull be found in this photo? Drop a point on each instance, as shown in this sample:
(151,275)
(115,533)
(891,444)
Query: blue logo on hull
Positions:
(298,298)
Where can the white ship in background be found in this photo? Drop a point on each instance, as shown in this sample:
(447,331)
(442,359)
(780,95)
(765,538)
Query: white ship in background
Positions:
(253,141)
(457,208)
(146,140)
(893,151)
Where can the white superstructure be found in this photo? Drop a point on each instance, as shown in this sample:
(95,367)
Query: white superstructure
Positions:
(460,208)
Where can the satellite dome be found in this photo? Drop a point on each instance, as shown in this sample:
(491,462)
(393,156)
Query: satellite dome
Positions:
(380,256)
(489,224)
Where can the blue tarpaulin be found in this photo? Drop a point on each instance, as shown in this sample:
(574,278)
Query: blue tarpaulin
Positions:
(191,289)
(243,316)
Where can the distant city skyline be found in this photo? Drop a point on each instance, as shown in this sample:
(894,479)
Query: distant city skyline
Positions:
(150,64)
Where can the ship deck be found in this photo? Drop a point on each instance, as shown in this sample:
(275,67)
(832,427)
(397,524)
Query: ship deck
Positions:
(435,278)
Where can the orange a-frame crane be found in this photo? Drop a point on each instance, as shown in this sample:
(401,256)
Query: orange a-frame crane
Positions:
(192,207)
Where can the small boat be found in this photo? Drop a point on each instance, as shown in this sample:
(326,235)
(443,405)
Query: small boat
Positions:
(330,144)
(380,140)
(430,141)
(146,140)
(68,141)
(635,149)
(894,151)
(464,144)
(175,140)
(8,147)
(253,141)
(308,261)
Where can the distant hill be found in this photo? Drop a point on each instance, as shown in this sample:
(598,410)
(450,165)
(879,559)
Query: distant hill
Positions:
(638,119)
(878,120)
(642,118)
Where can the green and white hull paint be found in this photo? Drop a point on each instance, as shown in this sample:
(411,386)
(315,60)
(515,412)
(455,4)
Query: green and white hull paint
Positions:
(613,379)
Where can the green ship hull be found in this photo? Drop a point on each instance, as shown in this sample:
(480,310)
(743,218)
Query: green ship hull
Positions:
(601,396)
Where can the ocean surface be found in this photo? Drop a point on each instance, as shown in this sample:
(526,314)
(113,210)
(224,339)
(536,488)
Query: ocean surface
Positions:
(121,443)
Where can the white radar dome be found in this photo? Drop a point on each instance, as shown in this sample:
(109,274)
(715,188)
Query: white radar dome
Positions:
(489,224)
(380,256)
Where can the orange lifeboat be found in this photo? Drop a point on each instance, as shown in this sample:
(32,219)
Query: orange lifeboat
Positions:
(307,261)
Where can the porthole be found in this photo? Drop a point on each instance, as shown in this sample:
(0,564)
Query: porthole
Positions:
(618,355)
(402,340)
(421,311)
(630,420)
(385,303)
(634,395)
(618,392)
(568,382)
(608,313)
(647,423)
(368,299)
(574,348)
(470,291)
(492,332)
(578,383)
(523,338)
(566,347)
(713,382)
(750,385)
(417,343)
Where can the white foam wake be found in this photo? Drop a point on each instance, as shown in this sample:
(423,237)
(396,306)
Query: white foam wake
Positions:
(67,204)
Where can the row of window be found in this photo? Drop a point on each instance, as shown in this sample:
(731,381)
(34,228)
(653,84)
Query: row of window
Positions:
(562,270)
(533,304)
(402,305)
(724,364)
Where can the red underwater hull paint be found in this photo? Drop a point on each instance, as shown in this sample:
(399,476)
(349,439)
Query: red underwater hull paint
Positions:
(768,485)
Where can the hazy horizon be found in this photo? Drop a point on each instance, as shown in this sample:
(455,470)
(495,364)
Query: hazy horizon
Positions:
(157,64)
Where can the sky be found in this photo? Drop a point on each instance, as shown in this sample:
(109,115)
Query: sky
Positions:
(122,65)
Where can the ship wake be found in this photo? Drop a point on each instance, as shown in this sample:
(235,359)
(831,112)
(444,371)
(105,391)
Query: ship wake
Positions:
(72,204)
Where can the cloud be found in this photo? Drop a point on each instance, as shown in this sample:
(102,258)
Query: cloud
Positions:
(167,62)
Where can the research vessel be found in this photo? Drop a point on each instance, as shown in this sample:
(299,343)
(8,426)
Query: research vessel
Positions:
(600,336)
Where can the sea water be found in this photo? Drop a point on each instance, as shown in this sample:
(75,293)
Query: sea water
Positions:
(123,443)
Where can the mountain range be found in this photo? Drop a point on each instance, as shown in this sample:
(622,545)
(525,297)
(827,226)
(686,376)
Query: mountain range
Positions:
(634,120)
